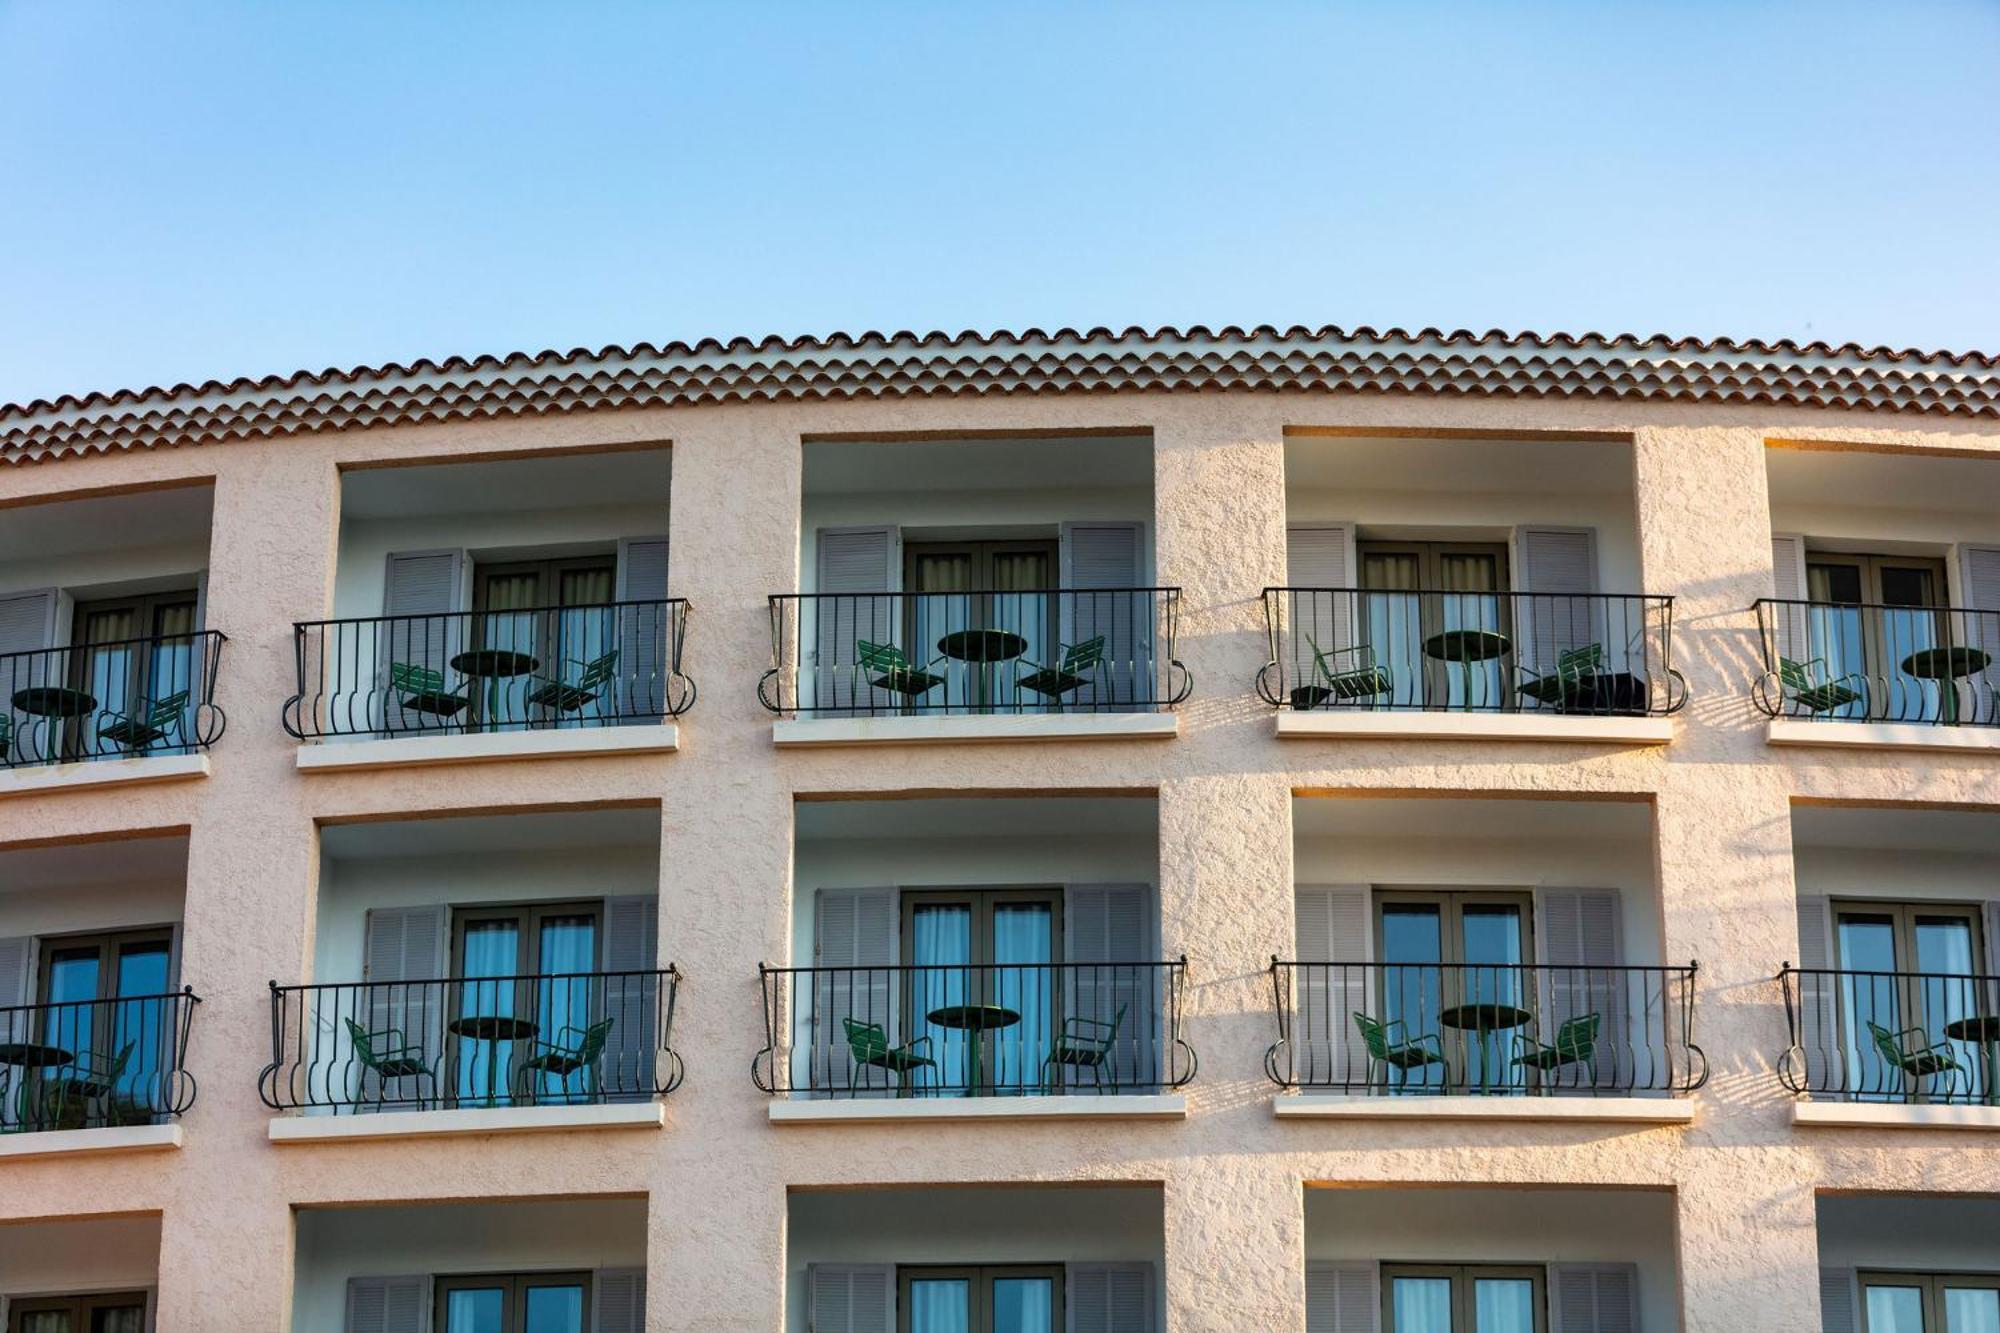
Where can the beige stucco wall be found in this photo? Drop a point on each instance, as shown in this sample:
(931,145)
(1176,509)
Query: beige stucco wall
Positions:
(1743,1181)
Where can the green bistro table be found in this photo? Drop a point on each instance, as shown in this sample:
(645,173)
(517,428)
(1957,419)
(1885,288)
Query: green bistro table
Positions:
(974,1020)
(1465,647)
(495,1030)
(1983,1031)
(53,704)
(494,665)
(1483,1020)
(983,649)
(32,1058)
(1946,666)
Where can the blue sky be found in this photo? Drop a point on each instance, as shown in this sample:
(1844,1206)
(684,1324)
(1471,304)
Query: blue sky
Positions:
(216,190)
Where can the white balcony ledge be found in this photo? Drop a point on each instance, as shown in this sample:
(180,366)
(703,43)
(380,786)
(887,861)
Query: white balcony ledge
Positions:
(1412,725)
(479,1120)
(1612,1110)
(889,1110)
(83,775)
(821,731)
(1884,736)
(1879,1115)
(81,1142)
(485,747)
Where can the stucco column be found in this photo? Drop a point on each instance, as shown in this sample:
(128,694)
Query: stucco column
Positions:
(716,1234)
(251,882)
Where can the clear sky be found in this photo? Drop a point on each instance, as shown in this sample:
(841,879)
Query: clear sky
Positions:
(205,191)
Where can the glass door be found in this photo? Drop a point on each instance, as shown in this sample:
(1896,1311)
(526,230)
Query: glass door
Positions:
(1876,612)
(131,1037)
(124,1312)
(1454,968)
(1434,614)
(1462,1299)
(514,1303)
(1910,969)
(129,654)
(980,1300)
(553,616)
(525,979)
(1002,586)
(982,988)
(1930,1303)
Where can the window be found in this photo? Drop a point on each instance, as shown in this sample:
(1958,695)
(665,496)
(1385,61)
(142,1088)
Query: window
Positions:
(1907,965)
(1443,950)
(1016,1299)
(1462,583)
(555,611)
(1929,1303)
(984,947)
(514,1303)
(1485,1298)
(521,966)
(1890,609)
(1000,585)
(135,964)
(131,651)
(123,1312)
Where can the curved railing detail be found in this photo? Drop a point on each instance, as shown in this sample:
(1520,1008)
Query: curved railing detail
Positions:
(1898,1037)
(132,698)
(88,1064)
(1870,662)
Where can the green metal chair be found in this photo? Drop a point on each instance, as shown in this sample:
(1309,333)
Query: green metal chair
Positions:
(90,1082)
(1086,1043)
(567,694)
(892,671)
(1365,679)
(145,727)
(1575,1044)
(1918,1062)
(1573,678)
(1386,1047)
(869,1044)
(389,1054)
(575,1050)
(6,737)
(1814,694)
(1072,670)
(420,689)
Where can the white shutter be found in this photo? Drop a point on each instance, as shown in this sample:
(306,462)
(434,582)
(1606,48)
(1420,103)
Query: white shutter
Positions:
(1594,1298)
(631,944)
(17,986)
(405,944)
(1334,926)
(1113,923)
(429,584)
(1581,928)
(850,1298)
(851,561)
(1788,584)
(855,928)
(618,1301)
(645,633)
(1108,1298)
(1098,556)
(1819,1035)
(388,1305)
(1320,566)
(1558,568)
(1839,1304)
(1989,963)
(1979,587)
(1342,1298)
(27,625)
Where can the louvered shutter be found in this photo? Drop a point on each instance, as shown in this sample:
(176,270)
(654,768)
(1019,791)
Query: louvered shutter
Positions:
(17,988)
(851,1298)
(618,1301)
(853,929)
(430,586)
(1334,930)
(1581,929)
(644,632)
(1108,1298)
(405,946)
(1108,935)
(1342,1298)
(1100,564)
(1979,585)
(1819,1033)
(1319,566)
(388,1305)
(1788,584)
(27,625)
(852,561)
(1594,1298)
(1557,569)
(1838,1303)
(1989,964)
(632,1003)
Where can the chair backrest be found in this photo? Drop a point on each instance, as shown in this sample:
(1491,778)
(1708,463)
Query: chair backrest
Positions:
(594,1038)
(415,679)
(1577,1038)
(1794,674)
(865,1040)
(1885,1042)
(1083,656)
(881,656)
(1373,1035)
(364,1044)
(598,670)
(167,710)
(1589,658)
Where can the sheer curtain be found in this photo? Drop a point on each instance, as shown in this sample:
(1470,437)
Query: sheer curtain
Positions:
(1394,629)
(1023,1305)
(940,1305)
(1021,935)
(1021,605)
(568,947)
(1503,1305)
(490,951)
(1971,1310)
(1422,1304)
(942,936)
(1895,1310)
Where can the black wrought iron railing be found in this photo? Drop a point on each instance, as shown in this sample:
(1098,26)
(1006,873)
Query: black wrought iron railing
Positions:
(1432,1029)
(1057,650)
(89,1064)
(1483,652)
(1890,1036)
(460,1042)
(959,1030)
(1866,662)
(614,664)
(119,700)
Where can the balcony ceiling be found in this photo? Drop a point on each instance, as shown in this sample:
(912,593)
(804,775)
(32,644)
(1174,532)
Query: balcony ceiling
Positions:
(1891,829)
(1558,467)
(136,521)
(1073,816)
(844,467)
(581,481)
(550,831)
(1426,821)
(1882,481)
(73,865)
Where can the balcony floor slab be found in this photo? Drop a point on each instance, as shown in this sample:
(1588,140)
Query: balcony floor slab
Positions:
(477,1120)
(1894,1115)
(821,731)
(81,776)
(1616,1110)
(862,1111)
(1388,724)
(1884,736)
(81,1142)
(484,747)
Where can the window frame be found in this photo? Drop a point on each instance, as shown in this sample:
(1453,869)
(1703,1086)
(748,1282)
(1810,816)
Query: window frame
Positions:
(1437,676)
(139,683)
(982,900)
(1463,1277)
(514,1306)
(981,1278)
(78,1307)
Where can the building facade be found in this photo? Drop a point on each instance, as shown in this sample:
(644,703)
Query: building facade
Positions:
(1104,831)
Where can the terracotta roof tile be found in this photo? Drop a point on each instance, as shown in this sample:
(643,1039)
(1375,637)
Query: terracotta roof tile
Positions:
(1100,360)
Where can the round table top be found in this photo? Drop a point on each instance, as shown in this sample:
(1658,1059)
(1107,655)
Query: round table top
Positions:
(493,1027)
(54,701)
(982,645)
(1467,645)
(1485,1017)
(1983,1028)
(1946,663)
(34,1055)
(974,1017)
(495,662)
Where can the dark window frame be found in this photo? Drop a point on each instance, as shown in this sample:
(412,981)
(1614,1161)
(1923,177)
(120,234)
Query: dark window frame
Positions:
(514,1305)
(1933,1285)
(980,1277)
(78,1307)
(1462,1278)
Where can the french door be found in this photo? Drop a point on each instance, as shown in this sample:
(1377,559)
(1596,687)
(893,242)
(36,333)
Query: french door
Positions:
(1421,590)
(128,654)
(1937,949)
(1874,612)
(999,585)
(546,951)
(555,611)
(1451,1298)
(134,967)
(1015,1299)
(123,1312)
(1930,1303)
(1442,950)
(514,1303)
(982,948)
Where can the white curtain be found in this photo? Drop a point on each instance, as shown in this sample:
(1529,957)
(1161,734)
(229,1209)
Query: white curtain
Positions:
(940,1305)
(1503,1305)
(1422,1305)
(942,934)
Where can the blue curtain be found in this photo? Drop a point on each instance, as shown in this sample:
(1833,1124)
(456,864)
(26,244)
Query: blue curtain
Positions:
(940,1305)
(482,1311)
(1023,1305)
(490,951)
(1022,935)
(1895,1310)
(942,935)
(568,947)
(1503,1305)
(1971,1310)
(554,1310)
(142,970)
(1421,1304)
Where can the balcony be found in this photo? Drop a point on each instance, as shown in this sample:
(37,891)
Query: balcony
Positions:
(460,1043)
(121,699)
(1563,660)
(540,670)
(95,1064)
(1908,668)
(934,1032)
(1895,1038)
(1437,1030)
